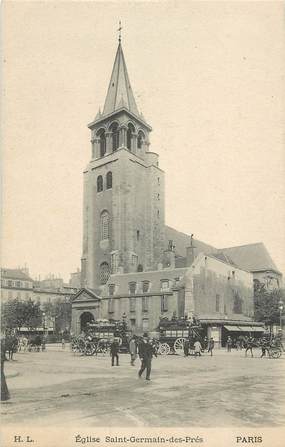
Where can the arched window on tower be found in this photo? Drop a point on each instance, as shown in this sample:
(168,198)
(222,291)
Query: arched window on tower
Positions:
(140,139)
(115,136)
(104,272)
(102,137)
(105,225)
(131,130)
(109,180)
(99,183)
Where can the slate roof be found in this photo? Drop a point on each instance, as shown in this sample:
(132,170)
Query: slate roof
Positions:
(182,240)
(120,92)
(252,257)
(15,274)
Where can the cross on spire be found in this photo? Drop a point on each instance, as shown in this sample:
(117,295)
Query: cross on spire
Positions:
(119,30)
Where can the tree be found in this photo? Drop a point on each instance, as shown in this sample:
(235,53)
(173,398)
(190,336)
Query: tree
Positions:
(60,312)
(16,314)
(266,304)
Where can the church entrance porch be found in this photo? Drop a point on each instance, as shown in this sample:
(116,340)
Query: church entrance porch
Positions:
(85,318)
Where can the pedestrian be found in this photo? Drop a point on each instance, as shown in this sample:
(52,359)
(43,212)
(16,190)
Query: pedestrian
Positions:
(63,343)
(146,352)
(211,346)
(114,351)
(206,341)
(197,348)
(264,347)
(229,343)
(249,346)
(186,347)
(133,350)
(4,389)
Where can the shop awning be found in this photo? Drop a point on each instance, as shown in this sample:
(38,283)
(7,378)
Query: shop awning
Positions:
(257,329)
(246,328)
(232,328)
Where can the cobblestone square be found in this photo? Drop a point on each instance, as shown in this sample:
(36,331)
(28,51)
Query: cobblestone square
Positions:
(227,390)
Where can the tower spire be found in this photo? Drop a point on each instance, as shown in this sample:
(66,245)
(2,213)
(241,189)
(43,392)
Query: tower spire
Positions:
(120,90)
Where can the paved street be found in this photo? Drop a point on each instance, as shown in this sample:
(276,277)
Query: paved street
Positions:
(57,387)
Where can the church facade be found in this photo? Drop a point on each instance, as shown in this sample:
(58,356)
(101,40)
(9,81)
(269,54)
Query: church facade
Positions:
(133,266)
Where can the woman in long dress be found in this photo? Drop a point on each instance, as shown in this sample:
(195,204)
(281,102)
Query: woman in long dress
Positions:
(4,389)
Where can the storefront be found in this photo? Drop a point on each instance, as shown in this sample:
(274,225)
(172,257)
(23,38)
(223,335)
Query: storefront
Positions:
(220,330)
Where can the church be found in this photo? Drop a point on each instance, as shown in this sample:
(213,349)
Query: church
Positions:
(133,265)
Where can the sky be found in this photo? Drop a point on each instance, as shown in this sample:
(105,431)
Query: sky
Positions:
(209,79)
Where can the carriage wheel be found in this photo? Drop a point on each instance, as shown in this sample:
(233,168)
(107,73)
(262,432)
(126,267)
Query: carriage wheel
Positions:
(179,346)
(275,353)
(164,349)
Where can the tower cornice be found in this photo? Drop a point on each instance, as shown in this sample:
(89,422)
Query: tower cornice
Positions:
(105,118)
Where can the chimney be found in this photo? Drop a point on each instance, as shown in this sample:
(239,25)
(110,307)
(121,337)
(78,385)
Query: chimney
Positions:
(169,256)
(190,252)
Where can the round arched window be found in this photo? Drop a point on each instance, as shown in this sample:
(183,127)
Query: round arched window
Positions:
(99,183)
(104,272)
(109,180)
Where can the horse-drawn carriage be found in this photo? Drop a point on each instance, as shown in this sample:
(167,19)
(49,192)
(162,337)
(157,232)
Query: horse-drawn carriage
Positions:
(175,332)
(99,336)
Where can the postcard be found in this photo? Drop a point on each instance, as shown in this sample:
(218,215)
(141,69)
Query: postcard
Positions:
(142,288)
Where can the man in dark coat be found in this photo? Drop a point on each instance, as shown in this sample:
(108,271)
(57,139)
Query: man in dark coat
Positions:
(146,351)
(249,346)
(114,351)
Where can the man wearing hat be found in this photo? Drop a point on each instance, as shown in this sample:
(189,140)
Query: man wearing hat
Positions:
(146,351)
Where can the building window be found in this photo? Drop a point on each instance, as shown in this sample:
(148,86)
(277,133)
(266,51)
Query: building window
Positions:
(115,136)
(157,213)
(109,180)
(140,268)
(131,130)
(105,225)
(138,235)
(132,287)
(145,286)
(237,307)
(158,197)
(225,309)
(134,259)
(133,322)
(217,303)
(111,305)
(158,180)
(140,139)
(164,283)
(99,183)
(145,304)
(132,304)
(104,272)
(111,289)
(145,325)
(18,283)
(164,303)
(10,284)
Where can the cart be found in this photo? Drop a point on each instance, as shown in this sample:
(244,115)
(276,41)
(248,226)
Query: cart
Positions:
(174,333)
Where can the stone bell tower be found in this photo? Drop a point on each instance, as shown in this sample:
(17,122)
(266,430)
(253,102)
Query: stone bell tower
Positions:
(123,209)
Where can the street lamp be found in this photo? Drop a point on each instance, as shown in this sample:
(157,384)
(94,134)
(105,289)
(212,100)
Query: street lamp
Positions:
(280,306)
